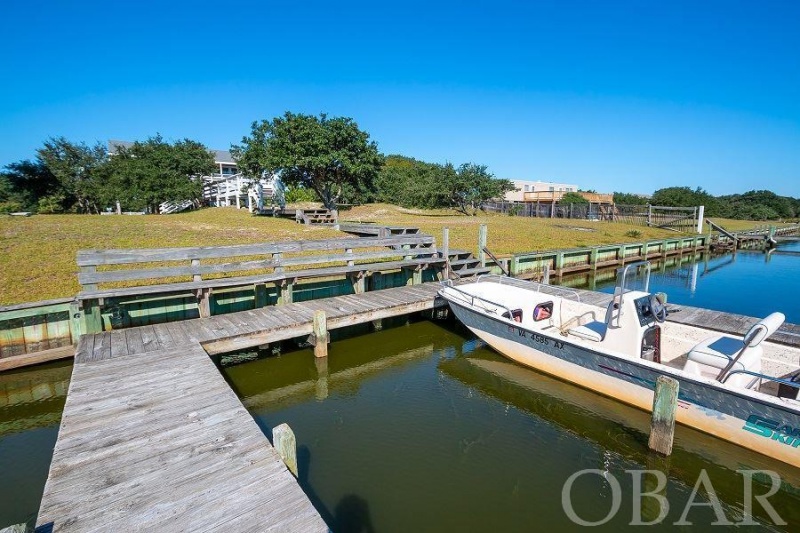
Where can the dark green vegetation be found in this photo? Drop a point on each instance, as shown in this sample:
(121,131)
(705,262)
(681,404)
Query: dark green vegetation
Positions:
(410,183)
(151,172)
(330,156)
(752,205)
(67,177)
(318,157)
(574,198)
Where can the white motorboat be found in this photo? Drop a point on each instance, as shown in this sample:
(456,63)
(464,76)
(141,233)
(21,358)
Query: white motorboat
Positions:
(740,389)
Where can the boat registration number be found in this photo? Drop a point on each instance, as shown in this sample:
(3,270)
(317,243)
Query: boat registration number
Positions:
(536,337)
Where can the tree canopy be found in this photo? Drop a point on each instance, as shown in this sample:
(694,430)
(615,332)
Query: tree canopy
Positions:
(411,183)
(573,198)
(23,184)
(79,169)
(330,156)
(473,184)
(624,198)
(154,171)
(65,176)
(752,205)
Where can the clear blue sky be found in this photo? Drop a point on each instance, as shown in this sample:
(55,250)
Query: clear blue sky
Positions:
(614,96)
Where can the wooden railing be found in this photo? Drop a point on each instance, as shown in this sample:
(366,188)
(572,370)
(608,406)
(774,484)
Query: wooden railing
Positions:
(269,271)
(597,257)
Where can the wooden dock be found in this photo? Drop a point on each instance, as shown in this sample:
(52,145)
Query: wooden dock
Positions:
(153,438)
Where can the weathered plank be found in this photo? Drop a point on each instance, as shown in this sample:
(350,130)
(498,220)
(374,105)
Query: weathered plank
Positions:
(159,442)
(45,356)
(256,279)
(296,318)
(111,276)
(149,255)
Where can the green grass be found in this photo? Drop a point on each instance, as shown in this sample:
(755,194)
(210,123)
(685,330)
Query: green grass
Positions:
(38,253)
(507,234)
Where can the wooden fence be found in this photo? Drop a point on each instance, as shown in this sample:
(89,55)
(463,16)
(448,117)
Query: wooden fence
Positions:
(680,219)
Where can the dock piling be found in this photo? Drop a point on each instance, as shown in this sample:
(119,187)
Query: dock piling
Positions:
(446,252)
(286,445)
(320,334)
(662,424)
(482,235)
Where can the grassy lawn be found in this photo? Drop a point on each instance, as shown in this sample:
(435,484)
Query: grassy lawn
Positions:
(38,253)
(507,234)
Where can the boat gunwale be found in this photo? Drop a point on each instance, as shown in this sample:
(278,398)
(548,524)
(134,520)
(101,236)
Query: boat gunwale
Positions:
(750,395)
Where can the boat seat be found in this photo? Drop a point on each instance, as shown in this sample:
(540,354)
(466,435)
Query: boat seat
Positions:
(717,351)
(591,331)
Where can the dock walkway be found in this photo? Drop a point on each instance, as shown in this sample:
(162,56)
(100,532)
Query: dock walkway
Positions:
(152,438)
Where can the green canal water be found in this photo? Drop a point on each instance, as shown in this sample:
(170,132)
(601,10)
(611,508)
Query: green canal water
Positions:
(31,402)
(421,428)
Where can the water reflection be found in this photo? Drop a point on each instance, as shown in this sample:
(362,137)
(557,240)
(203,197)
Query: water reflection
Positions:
(752,283)
(623,432)
(31,402)
(422,428)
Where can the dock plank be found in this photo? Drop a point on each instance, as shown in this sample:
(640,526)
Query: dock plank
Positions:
(153,438)
(136,451)
(119,346)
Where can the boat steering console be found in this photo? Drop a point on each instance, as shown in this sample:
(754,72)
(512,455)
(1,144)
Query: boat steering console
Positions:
(657,308)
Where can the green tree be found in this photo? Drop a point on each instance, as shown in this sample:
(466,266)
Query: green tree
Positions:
(688,197)
(24,183)
(760,205)
(149,173)
(471,185)
(410,183)
(330,156)
(573,198)
(624,198)
(79,170)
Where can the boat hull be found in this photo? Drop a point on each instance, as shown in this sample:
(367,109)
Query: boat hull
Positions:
(761,425)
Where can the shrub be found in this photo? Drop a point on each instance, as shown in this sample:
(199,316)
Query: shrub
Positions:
(51,205)
(634,233)
(300,194)
(11,206)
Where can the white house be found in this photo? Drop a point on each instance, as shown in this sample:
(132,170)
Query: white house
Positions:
(527,186)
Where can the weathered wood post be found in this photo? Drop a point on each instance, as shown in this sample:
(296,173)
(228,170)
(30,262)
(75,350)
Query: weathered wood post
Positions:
(320,334)
(662,424)
(321,385)
(286,445)
(771,237)
(446,252)
(482,244)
